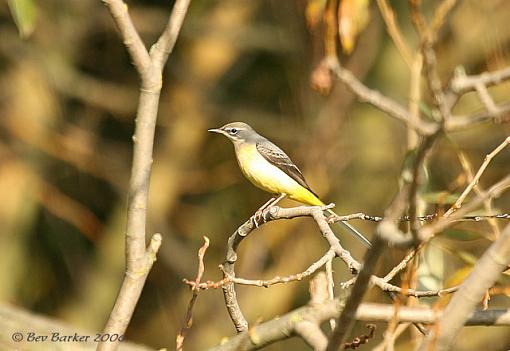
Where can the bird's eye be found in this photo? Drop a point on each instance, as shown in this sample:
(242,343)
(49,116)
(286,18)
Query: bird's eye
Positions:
(233,131)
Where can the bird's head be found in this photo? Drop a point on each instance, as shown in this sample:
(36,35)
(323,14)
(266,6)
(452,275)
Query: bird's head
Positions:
(237,132)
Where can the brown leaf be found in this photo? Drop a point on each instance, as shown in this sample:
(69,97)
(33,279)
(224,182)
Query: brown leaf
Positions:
(313,12)
(353,16)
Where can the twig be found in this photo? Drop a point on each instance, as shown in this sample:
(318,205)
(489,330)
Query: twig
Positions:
(466,165)
(380,101)
(412,292)
(474,182)
(428,232)
(331,287)
(406,218)
(427,40)
(487,100)
(440,14)
(394,31)
(401,266)
(139,259)
(458,123)
(188,322)
(328,256)
(414,99)
(362,339)
(264,283)
(462,83)
(484,275)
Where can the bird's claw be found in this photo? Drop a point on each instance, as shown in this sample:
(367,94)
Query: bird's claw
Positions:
(260,216)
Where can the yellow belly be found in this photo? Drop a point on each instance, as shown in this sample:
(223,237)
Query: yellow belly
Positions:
(270,178)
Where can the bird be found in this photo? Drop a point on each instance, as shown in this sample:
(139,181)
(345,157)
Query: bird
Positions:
(269,168)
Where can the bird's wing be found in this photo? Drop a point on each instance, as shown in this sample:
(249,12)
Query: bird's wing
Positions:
(277,157)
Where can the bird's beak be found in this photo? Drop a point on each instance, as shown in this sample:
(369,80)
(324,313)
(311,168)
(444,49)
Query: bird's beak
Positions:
(215,130)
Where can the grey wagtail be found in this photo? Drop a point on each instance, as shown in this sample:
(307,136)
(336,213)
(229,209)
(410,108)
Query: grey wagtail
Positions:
(270,169)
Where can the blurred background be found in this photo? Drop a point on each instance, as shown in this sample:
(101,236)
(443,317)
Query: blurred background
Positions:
(68,97)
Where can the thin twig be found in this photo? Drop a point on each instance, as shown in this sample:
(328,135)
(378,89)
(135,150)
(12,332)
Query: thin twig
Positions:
(331,286)
(402,265)
(440,14)
(414,99)
(462,83)
(476,179)
(429,231)
(380,101)
(188,322)
(466,165)
(394,31)
(286,279)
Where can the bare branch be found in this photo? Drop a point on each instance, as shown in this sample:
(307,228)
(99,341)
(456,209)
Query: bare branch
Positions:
(379,101)
(476,179)
(472,291)
(440,14)
(394,31)
(129,34)
(275,213)
(139,259)
(346,319)
(287,279)
(429,231)
(163,47)
(457,123)
(414,99)
(284,326)
(188,322)
(462,83)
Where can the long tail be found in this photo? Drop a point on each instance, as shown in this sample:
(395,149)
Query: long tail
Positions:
(353,231)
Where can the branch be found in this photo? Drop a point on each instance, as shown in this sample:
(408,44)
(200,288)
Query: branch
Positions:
(346,319)
(275,213)
(164,46)
(379,101)
(457,123)
(476,179)
(139,259)
(263,283)
(129,34)
(195,289)
(284,326)
(487,270)
(428,232)
(394,31)
(462,83)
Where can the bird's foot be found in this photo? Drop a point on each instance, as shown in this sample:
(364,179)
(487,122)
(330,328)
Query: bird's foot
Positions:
(260,217)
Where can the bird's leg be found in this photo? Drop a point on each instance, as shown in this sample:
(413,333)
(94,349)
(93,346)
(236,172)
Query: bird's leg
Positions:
(260,214)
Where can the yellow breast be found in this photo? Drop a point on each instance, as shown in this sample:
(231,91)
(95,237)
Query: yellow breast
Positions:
(270,178)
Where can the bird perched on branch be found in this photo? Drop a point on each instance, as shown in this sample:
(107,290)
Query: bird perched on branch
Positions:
(270,169)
